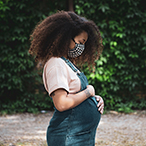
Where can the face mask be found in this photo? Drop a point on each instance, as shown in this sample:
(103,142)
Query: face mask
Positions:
(77,50)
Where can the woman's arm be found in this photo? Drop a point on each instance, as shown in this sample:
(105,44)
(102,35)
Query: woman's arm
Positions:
(63,101)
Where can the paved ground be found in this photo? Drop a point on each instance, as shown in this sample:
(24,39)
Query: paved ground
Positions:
(114,129)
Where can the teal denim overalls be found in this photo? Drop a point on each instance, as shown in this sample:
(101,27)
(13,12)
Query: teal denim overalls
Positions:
(77,126)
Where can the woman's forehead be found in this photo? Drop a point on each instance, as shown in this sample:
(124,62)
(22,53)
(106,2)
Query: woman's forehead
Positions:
(83,35)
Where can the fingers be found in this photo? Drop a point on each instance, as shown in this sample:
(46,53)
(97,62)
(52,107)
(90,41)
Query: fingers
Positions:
(101,108)
(100,104)
(98,98)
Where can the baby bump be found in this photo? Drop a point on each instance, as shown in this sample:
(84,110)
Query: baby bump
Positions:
(85,117)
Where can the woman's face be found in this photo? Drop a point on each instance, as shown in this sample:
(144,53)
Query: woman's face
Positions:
(79,39)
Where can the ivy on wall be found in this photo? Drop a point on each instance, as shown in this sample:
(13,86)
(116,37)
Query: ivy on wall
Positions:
(120,75)
(120,72)
(20,83)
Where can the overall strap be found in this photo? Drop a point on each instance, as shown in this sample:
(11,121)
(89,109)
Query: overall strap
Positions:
(82,77)
(71,65)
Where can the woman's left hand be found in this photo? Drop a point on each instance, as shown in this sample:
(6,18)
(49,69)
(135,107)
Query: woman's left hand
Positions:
(100,104)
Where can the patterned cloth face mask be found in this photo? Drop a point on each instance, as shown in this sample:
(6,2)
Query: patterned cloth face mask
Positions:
(77,50)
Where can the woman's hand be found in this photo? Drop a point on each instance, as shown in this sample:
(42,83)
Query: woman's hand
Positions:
(100,103)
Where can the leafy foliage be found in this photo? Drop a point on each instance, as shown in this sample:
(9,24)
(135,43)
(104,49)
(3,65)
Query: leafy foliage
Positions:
(18,76)
(119,76)
(120,72)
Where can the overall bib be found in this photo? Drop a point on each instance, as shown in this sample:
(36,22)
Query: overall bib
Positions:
(77,126)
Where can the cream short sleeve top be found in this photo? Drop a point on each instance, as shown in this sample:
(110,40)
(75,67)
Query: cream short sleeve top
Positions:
(57,74)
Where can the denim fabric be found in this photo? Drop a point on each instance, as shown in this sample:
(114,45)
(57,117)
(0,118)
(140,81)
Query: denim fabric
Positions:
(77,126)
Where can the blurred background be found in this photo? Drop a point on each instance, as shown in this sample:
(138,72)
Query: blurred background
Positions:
(120,74)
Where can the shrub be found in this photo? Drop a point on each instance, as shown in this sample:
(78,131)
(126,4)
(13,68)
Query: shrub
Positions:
(19,77)
(120,75)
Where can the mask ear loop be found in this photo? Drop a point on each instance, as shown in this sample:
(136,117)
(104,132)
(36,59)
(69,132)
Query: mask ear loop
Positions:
(74,41)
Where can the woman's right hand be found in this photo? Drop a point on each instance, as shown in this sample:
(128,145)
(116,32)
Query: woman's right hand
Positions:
(91,90)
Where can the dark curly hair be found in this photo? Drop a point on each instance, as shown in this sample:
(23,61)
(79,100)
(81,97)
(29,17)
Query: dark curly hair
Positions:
(51,38)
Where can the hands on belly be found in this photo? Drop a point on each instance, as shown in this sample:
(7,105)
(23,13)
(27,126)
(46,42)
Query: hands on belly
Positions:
(100,104)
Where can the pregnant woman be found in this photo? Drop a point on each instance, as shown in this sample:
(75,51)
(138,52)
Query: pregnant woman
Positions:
(62,42)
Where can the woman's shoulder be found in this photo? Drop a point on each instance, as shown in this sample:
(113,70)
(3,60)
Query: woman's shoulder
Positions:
(55,62)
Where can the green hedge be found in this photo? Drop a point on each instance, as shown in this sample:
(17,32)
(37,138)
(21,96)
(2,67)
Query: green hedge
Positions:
(20,83)
(120,75)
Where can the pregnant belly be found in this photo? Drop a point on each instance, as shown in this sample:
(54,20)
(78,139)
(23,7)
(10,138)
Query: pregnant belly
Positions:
(75,127)
(85,117)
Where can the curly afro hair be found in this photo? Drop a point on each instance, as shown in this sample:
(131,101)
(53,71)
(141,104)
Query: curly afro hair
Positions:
(51,38)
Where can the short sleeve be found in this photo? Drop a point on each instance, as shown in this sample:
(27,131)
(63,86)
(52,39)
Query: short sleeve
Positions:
(57,78)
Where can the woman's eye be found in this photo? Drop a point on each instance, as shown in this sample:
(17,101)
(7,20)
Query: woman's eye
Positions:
(81,43)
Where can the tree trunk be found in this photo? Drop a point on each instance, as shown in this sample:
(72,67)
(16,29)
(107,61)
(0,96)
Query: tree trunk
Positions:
(70,5)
